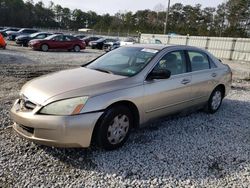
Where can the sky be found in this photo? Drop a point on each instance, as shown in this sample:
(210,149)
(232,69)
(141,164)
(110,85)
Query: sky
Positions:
(114,6)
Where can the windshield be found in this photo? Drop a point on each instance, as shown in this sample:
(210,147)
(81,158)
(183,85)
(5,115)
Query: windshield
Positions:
(125,61)
(100,40)
(34,35)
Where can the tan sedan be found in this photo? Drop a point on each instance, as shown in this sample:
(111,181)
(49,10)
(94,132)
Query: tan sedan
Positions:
(123,89)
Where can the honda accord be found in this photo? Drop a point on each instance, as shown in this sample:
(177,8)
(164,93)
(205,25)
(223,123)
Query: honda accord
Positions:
(126,88)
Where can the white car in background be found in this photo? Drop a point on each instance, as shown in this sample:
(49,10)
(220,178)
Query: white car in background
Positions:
(128,41)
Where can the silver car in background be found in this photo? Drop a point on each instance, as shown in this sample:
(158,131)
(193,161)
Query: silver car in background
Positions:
(126,88)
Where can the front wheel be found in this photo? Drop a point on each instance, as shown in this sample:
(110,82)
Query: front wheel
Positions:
(114,128)
(214,101)
(45,47)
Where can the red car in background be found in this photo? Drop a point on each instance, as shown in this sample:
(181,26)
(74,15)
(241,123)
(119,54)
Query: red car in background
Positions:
(62,42)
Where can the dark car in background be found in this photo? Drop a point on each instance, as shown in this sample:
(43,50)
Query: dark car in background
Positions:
(25,31)
(98,44)
(62,42)
(89,39)
(80,36)
(3,31)
(23,40)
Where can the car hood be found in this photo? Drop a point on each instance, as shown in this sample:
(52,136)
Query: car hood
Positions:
(70,83)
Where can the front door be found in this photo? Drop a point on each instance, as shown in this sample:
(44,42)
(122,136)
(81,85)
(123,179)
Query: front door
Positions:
(168,95)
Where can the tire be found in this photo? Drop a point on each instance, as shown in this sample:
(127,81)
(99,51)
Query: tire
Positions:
(113,128)
(25,44)
(77,48)
(214,101)
(44,47)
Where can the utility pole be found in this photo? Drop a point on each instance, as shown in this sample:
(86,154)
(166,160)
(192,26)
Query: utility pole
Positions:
(166,21)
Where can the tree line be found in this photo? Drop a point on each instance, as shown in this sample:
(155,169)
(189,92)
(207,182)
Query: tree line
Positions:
(230,19)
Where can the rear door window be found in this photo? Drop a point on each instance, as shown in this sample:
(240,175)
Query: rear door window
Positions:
(199,61)
(30,31)
(69,38)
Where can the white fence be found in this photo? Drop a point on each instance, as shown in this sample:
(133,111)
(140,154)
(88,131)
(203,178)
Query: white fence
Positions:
(221,47)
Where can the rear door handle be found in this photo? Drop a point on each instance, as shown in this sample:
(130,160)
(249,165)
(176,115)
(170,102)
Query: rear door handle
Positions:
(213,74)
(185,81)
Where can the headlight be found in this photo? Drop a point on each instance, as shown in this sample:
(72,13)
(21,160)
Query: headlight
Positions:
(65,107)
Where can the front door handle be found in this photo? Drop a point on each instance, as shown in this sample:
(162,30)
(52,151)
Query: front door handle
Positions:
(185,81)
(214,74)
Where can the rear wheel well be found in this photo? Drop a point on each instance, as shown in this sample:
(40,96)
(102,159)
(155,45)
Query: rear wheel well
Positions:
(223,89)
(76,45)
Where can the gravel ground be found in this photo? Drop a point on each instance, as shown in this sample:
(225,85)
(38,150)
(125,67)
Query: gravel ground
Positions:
(20,55)
(187,150)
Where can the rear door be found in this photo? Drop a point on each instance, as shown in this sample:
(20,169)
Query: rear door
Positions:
(169,95)
(69,42)
(203,75)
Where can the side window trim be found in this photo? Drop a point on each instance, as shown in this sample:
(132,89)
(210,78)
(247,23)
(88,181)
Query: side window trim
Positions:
(188,61)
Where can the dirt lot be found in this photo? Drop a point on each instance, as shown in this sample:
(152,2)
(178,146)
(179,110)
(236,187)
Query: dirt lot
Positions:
(194,150)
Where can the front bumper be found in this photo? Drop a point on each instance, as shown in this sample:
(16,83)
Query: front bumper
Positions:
(21,42)
(58,131)
(35,46)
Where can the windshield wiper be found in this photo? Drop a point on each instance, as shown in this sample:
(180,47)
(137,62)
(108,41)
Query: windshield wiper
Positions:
(103,70)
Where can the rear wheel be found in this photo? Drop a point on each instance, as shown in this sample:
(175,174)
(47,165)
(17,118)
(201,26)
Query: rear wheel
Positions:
(214,101)
(25,44)
(45,47)
(77,48)
(114,128)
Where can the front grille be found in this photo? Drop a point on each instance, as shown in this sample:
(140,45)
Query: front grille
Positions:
(28,129)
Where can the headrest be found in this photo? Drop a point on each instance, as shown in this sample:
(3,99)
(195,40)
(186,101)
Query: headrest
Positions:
(198,58)
(171,58)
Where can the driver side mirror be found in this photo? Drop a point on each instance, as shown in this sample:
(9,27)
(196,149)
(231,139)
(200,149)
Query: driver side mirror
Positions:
(159,74)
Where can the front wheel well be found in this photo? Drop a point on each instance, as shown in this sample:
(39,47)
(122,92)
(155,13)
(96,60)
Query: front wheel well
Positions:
(130,105)
(43,44)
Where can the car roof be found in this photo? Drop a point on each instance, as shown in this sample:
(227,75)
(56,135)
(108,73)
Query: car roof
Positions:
(28,29)
(41,33)
(162,46)
(151,46)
